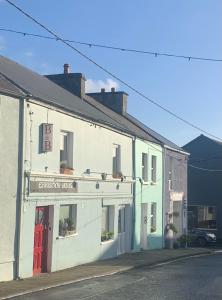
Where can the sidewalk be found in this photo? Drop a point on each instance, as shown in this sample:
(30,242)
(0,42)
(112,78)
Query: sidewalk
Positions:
(95,269)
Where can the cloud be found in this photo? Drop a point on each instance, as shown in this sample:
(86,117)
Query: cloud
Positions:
(93,86)
(28,53)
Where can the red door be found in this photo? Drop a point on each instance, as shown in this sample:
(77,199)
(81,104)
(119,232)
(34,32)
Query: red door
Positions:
(40,239)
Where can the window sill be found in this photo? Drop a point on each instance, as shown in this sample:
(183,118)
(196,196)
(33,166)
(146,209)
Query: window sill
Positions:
(153,183)
(107,242)
(67,236)
(145,182)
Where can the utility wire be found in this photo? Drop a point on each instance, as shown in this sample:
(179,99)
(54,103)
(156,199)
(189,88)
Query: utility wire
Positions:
(147,99)
(203,169)
(122,49)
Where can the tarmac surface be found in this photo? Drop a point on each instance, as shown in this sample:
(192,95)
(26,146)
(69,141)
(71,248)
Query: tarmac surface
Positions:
(94,270)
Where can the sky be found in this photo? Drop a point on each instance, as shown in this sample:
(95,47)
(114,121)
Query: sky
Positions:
(191,89)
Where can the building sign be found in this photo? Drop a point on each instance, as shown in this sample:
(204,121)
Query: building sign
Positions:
(176,196)
(47,135)
(53,187)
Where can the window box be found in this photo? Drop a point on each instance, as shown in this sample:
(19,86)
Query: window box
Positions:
(106,236)
(118,175)
(66,170)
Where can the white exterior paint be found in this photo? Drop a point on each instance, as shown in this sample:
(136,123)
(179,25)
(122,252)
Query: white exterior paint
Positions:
(92,149)
(9,142)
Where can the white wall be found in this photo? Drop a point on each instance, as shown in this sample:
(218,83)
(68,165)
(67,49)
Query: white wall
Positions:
(9,124)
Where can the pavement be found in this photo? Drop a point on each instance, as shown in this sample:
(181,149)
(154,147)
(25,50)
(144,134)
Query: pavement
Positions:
(96,269)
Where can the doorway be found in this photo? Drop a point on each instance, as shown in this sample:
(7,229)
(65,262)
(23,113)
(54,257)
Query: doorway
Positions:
(40,250)
(143,228)
(121,229)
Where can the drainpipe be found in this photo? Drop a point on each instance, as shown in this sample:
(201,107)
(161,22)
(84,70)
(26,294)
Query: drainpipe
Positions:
(134,192)
(164,196)
(20,185)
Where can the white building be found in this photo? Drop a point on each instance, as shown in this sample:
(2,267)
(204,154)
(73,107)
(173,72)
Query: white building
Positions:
(77,189)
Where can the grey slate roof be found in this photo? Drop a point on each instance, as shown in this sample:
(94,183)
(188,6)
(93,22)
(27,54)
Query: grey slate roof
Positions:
(7,87)
(45,90)
(156,135)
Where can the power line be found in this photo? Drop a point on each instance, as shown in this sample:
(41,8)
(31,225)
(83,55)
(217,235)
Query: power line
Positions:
(203,169)
(122,49)
(147,99)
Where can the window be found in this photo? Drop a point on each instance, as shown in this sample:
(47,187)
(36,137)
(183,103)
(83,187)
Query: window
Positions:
(116,161)
(202,216)
(121,219)
(170,173)
(107,223)
(66,150)
(145,167)
(67,219)
(153,169)
(153,218)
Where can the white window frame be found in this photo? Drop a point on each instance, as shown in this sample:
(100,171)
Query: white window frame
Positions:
(68,225)
(107,231)
(116,160)
(153,168)
(145,167)
(68,162)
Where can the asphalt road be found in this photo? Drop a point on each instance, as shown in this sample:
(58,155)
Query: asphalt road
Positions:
(194,278)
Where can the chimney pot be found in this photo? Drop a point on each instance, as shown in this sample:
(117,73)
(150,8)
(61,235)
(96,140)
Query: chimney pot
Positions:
(66,69)
(113,90)
(103,90)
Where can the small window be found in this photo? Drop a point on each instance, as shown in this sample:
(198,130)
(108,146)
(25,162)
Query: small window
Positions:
(66,150)
(107,223)
(153,168)
(67,219)
(153,218)
(117,161)
(170,173)
(145,167)
(122,219)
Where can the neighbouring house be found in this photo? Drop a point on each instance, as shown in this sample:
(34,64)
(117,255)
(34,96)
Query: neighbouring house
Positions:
(160,167)
(11,137)
(70,194)
(204,184)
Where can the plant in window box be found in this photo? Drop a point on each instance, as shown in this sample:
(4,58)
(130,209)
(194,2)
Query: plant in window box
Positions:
(70,226)
(106,236)
(118,175)
(152,229)
(64,169)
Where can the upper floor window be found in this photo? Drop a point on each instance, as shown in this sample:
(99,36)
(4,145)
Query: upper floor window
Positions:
(170,173)
(153,168)
(66,151)
(116,161)
(145,167)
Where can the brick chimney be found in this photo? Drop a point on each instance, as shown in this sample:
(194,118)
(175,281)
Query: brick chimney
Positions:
(73,82)
(117,101)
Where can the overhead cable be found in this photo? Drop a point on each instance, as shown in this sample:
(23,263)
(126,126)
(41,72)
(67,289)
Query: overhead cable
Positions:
(122,49)
(147,99)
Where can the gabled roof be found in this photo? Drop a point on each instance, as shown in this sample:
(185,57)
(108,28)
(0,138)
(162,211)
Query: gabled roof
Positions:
(153,133)
(8,87)
(202,137)
(40,88)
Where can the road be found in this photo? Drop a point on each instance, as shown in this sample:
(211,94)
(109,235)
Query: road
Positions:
(194,278)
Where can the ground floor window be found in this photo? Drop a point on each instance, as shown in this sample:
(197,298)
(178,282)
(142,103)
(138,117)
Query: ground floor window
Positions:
(202,216)
(67,219)
(153,218)
(107,227)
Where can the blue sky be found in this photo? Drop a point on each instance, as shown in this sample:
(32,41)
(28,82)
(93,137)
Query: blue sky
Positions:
(192,89)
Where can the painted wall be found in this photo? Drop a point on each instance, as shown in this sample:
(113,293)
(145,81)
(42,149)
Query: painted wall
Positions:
(148,193)
(9,126)
(92,150)
(178,193)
